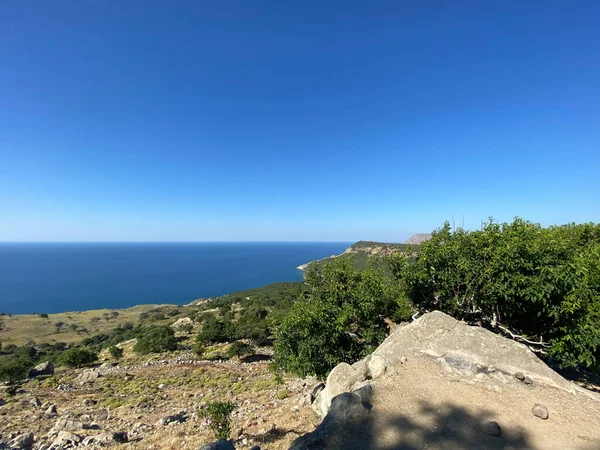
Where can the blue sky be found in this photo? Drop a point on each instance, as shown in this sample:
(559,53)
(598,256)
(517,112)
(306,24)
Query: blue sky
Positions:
(144,120)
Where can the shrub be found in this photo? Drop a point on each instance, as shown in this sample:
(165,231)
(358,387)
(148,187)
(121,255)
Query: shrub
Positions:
(156,339)
(78,357)
(341,318)
(239,348)
(212,330)
(115,352)
(217,417)
(541,285)
(13,369)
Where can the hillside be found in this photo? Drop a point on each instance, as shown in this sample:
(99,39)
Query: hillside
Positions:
(362,251)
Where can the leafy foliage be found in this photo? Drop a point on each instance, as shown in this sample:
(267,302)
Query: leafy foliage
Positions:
(541,284)
(340,318)
(156,339)
(115,352)
(78,357)
(14,368)
(239,349)
(218,417)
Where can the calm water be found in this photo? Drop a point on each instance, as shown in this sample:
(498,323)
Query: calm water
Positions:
(62,277)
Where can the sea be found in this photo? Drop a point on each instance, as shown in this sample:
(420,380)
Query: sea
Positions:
(60,277)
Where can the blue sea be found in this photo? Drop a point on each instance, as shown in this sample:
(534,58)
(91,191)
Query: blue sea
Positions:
(59,277)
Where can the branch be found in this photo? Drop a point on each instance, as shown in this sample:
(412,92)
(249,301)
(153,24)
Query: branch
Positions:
(520,338)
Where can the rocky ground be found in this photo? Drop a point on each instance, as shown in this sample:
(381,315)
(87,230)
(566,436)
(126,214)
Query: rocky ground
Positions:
(156,405)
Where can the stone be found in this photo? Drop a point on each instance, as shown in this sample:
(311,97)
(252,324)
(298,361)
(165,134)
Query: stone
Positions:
(65,439)
(45,368)
(346,411)
(162,386)
(106,438)
(490,427)
(256,447)
(66,424)
(540,411)
(22,441)
(34,401)
(89,376)
(89,402)
(519,376)
(377,366)
(218,445)
(180,417)
(343,378)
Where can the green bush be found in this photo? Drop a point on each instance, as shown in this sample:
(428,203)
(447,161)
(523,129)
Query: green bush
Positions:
(217,417)
(239,349)
(115,352)
(78,357)
(540,284)
(156,339)
(14,369)
(340,318)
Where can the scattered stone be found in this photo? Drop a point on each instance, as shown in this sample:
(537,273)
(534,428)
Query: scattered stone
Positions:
(50,411)
(89,376)
(65,439)
(45,368)
(491,427)
(22,441)
(66,424)
(180,417)
(540,411)
(106,438)
(34,401)
(89,402)
(218,445)
(162,386)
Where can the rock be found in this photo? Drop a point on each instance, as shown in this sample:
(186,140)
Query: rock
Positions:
(89,402)
(490,427)
(162,386)
(34,401)
(180,417)
(50,411)
(519,376)
(315,391)
(218,445)
(346,411)
(256,447)
(183,321)
(65,439)
(22,441)
(66,424)
(89,376)
(45,368)
(343,378)
(377,366)
(106,438)
(540,411)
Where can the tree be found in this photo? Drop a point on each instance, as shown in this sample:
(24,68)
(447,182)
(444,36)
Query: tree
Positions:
(114,314)
(58,326)
(78,357)
(156,339)
(239,348)
(340,318)
(540,286)
(14,369)
(73,327)
(212,330)
(115,352)
(95,320)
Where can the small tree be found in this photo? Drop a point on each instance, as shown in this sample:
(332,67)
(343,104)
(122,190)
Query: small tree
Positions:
(114,314)
(95,320)
(156,339)
(78,357)
(73,327)
(239,348)
(218,418)
(14,369)
(58,326)
(115,352)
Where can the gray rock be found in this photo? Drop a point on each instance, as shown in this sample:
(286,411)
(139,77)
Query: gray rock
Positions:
(540,411)
(45,368)
(34,401)
(89,402)
(65,439)
(218,445)
(22,441)
(490,427)
(51,410)
(89,376)
(180,417)
(105,439)
(256,447)
(346,411)
(66,424)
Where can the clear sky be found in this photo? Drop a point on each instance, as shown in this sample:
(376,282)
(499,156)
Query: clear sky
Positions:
(253,120)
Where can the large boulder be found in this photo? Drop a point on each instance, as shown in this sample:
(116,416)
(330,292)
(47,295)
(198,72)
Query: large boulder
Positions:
(458,346)
(45,368)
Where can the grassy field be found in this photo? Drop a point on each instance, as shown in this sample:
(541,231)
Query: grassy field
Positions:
(76,325)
